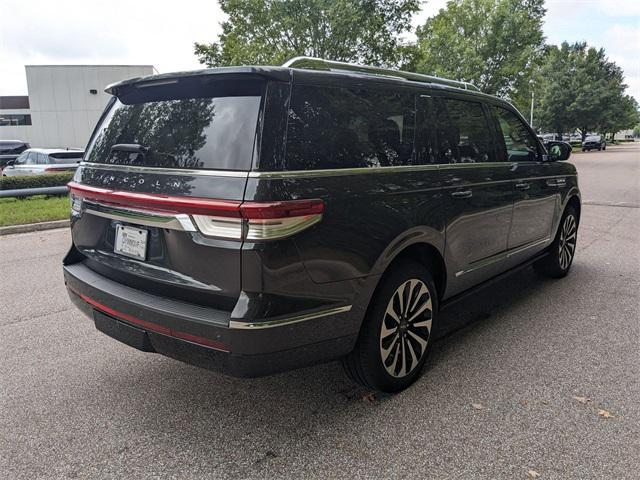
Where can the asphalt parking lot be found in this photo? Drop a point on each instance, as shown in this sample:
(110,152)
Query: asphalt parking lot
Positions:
(531,376)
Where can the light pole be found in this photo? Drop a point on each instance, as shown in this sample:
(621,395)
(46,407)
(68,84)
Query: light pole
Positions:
(531,117)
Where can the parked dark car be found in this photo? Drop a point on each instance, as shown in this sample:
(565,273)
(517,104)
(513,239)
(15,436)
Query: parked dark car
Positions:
(594,142)
(258,219)
(10,150)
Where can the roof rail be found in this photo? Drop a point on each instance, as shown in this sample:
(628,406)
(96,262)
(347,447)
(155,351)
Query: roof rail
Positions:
(312,63)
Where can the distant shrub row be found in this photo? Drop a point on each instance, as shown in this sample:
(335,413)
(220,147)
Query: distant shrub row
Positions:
(36,181)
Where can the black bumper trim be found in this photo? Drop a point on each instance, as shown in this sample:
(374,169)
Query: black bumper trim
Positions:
(247,353)
(154,303)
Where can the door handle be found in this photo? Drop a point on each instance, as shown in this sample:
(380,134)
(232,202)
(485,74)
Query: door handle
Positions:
(523,186)
(462,194)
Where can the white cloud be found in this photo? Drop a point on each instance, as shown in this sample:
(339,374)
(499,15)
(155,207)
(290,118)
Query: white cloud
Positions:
(93,32)
(162,33)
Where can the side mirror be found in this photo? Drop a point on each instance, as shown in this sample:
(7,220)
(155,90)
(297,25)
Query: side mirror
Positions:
(558,150)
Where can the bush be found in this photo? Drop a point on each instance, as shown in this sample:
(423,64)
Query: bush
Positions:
(36,181)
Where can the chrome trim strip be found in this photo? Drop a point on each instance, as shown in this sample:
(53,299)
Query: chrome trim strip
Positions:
(521,249)
(449,166)
(287,321)
(335,172)
(180,221)
(502,256)
(166,171)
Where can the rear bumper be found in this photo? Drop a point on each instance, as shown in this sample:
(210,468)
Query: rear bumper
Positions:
(207,337)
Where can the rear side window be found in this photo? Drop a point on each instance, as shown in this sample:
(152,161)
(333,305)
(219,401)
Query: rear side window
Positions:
(468,135)
(332,128)
(520,144)
(195,124)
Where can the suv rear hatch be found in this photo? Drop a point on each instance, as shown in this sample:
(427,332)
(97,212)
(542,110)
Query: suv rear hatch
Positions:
(166,154)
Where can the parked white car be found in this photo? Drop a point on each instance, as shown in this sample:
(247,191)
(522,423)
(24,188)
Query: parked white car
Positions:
(36,161)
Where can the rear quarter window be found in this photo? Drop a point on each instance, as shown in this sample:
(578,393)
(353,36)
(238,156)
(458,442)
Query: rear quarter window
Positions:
(333,128)
(468,134)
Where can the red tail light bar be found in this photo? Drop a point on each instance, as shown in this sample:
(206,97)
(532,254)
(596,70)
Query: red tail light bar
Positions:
(218,218)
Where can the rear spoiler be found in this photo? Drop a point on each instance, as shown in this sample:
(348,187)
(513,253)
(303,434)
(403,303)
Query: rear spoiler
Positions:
(274,73)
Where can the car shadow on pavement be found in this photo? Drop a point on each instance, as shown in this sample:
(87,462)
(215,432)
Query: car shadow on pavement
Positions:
(202,406)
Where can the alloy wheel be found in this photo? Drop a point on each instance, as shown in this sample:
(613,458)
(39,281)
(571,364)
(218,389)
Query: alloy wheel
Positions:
(567,244)
(406,328)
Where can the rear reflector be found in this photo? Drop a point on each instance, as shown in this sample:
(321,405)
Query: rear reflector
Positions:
(229,219)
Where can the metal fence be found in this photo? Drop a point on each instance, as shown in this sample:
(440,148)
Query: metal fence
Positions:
(30,192)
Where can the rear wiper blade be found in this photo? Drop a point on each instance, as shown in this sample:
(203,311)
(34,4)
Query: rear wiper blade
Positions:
(129,147)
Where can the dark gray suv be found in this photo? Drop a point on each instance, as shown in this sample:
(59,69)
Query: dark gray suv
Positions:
(258,219)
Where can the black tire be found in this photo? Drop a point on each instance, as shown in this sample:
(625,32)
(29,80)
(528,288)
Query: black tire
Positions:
(562,251)
(409,284)
(584,149)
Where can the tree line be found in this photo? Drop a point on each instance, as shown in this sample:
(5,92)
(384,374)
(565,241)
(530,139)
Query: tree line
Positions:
(496,44)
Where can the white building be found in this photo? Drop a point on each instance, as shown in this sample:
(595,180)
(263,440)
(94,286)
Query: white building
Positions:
(63,103)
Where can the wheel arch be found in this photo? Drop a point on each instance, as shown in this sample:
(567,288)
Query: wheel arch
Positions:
(430,257)
(424,244)
(574,201)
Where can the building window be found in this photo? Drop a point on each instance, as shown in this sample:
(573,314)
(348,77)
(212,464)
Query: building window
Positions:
(14,119)
(14,102)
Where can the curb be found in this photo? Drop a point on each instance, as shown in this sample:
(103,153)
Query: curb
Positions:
(33,227)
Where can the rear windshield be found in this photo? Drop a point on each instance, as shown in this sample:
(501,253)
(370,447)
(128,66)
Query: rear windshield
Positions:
(193,123)
(65,157)
(12,148)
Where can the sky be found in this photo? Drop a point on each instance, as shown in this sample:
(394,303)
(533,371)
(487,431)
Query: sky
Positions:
(162,33)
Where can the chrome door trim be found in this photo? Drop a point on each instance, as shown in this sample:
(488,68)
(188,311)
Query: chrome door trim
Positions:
(178,221)
(502,256)
(289,320)
(522,248)
(448,166)
(334,172)
(483,263)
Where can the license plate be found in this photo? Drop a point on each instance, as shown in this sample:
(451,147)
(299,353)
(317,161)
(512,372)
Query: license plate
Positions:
(131,242)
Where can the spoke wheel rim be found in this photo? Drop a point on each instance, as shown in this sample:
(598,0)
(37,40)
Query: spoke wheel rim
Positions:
(406,328)
(567,244)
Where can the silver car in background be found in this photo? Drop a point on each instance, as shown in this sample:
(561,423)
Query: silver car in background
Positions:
(36,161)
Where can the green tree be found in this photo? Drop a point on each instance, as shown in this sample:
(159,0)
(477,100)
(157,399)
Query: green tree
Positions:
(259,32)
(580,88)
(622,115)
(555,90)
(495,44)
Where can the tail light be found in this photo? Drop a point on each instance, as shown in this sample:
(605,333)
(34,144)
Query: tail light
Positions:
(230,219)
(56,169)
